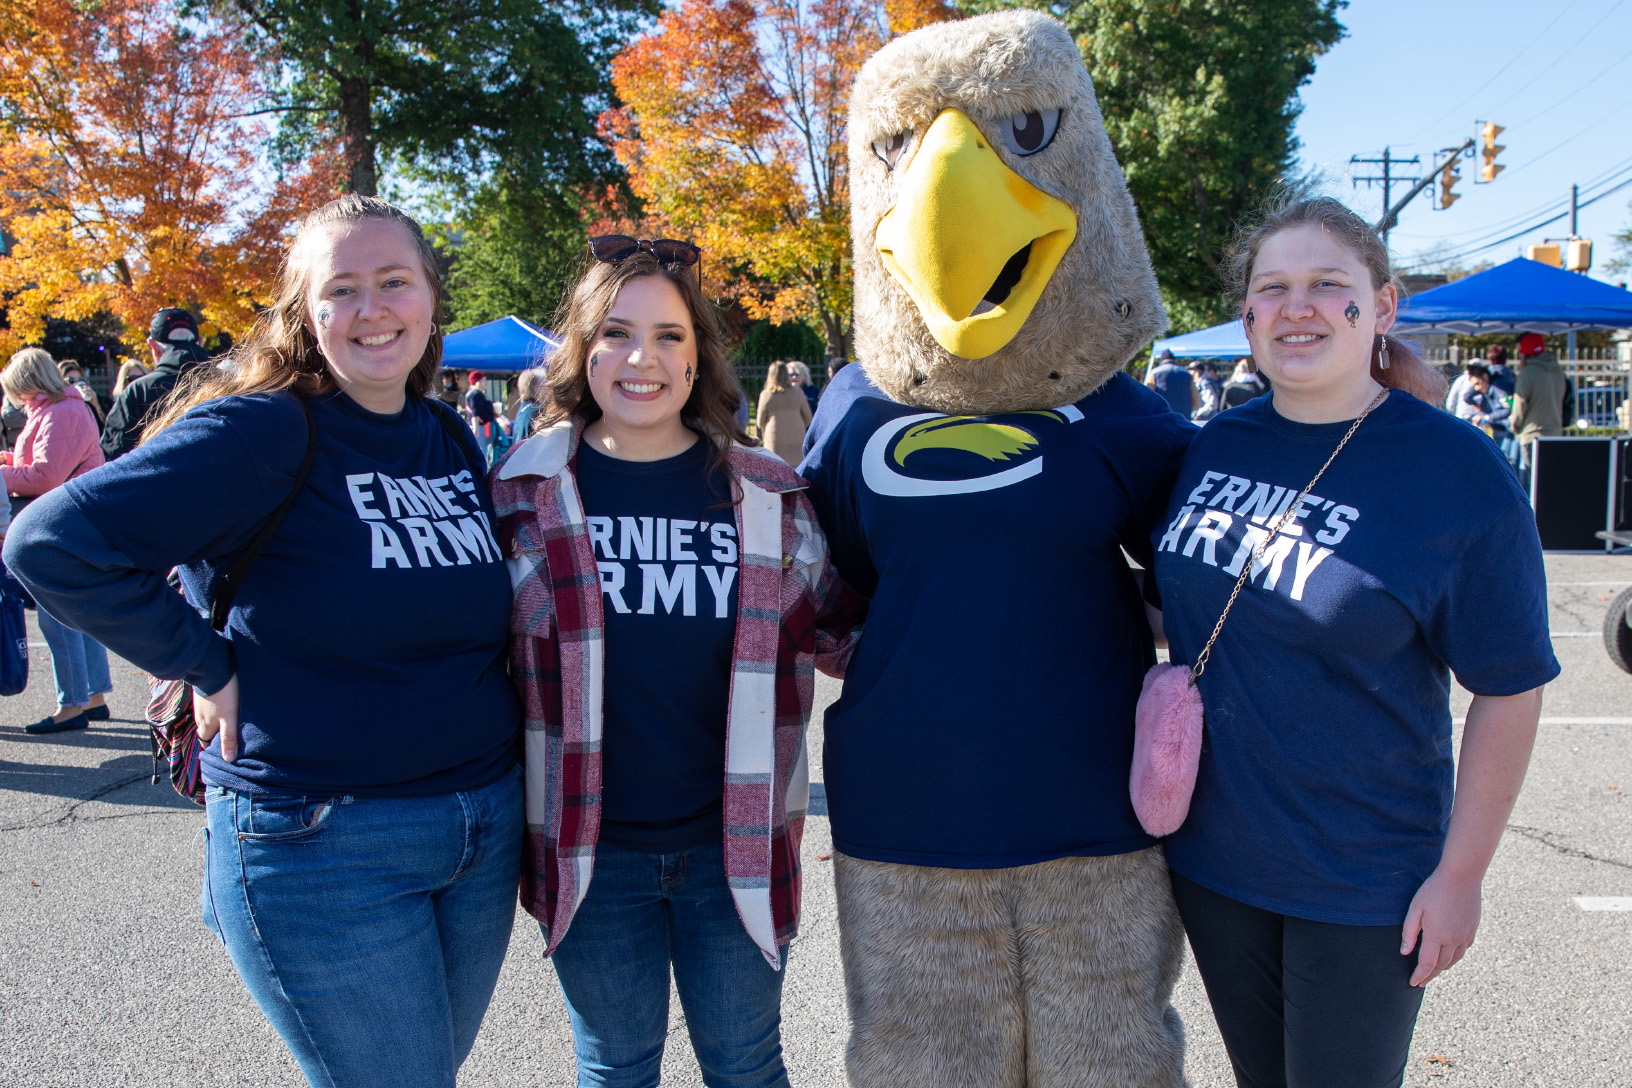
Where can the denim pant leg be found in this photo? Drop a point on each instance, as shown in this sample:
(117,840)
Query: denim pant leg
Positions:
(330,908)
(475,914)
(732,996)
(98,680)
(67,660)
(613,966)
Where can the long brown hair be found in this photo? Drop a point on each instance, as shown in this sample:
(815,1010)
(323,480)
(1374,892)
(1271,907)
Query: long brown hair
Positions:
(281,353)
(711,409)
(1406,370)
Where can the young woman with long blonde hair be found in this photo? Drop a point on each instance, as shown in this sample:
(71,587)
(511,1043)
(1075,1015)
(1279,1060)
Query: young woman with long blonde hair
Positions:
(364,800)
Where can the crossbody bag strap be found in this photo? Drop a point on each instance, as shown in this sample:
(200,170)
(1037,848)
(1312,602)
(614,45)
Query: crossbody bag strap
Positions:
(234,577)
(1258,553)
(457,430)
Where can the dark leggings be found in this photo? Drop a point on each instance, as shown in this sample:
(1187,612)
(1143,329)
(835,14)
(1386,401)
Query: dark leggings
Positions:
(1302,1004)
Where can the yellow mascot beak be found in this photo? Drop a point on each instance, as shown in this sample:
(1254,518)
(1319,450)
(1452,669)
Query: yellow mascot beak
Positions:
(965,228)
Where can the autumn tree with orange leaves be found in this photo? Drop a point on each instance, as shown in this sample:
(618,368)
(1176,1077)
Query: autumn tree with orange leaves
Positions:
(733,132)
(128,149)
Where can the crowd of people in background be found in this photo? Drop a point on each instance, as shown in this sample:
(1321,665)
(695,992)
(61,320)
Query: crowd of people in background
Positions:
(1513,405)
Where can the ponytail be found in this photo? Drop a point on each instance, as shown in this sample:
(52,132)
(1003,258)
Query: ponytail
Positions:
(1407,372)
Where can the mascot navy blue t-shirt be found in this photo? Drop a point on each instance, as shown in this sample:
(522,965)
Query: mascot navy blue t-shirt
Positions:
(1326,771)
(991,547)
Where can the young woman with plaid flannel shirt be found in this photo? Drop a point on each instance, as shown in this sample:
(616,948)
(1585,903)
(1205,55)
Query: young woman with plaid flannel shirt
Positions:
(672,592)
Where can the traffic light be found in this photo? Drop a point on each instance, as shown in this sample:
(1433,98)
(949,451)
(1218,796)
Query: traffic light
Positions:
(1490,150)
(1448,178)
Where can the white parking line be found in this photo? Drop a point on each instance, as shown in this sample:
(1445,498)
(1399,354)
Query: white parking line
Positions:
(1604,902)
(1571,634)
(1568,721)
(1590,583)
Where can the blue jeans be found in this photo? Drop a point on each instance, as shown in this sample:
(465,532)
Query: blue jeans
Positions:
(370,930)
(644,912)
(79,662)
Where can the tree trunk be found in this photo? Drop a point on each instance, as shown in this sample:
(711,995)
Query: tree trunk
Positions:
(837,335)
(357,135)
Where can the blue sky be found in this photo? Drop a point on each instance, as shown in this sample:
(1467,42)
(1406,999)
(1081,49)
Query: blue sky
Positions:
(1417,76)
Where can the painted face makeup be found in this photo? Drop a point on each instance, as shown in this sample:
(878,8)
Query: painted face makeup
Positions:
(1352,313)
(1251,318)
(650,350)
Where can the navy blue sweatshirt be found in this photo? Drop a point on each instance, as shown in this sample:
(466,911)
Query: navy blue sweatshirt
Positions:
(368,639)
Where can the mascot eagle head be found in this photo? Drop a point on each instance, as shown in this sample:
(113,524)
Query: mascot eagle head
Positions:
(999,265)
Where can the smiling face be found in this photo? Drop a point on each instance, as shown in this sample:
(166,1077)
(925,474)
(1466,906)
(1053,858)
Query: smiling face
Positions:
(370,305)
(642,363)
(1312,313)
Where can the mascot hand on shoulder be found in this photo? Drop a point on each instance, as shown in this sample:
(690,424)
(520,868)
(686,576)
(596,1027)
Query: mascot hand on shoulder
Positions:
(1004,920)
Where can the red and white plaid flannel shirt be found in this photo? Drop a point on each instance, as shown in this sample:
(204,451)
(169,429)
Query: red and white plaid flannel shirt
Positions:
(793,613)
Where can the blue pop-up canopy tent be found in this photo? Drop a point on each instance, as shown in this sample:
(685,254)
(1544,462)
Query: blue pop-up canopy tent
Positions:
(504,345)
(1226,341)
(1519,296)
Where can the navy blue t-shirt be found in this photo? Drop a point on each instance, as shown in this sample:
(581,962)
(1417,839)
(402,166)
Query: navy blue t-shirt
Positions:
(368,639)
(665,541)
(987,714)
(1326,773)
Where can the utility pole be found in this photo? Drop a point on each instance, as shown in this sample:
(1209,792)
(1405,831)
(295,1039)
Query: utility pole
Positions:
(1391,212)
(1388,179)
(1575,191)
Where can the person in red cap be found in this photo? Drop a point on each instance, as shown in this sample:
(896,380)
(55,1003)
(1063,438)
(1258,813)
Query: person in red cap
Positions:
(1538,398)
(483,420)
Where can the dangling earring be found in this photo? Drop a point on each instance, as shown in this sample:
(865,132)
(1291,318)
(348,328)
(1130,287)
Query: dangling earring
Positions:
(1382,355)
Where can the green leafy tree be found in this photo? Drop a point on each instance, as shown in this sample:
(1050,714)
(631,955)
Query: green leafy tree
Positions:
(1622,261)
(455,89)
(515,249)
(1200,99)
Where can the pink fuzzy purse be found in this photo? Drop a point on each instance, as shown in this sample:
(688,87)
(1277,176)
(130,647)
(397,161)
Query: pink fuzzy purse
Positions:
(1168,722)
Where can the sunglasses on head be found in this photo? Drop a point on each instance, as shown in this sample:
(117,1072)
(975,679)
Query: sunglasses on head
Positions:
(617,248)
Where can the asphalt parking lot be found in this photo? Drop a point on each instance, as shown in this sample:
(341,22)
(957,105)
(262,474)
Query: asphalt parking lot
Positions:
(108,978)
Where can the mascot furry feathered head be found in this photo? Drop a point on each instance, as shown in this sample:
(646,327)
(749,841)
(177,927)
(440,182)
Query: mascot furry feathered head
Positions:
(999,265)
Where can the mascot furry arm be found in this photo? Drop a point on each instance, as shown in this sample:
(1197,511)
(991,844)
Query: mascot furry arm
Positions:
(1004,920)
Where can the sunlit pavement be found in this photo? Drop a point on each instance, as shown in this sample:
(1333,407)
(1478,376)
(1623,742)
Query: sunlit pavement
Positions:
(108,978)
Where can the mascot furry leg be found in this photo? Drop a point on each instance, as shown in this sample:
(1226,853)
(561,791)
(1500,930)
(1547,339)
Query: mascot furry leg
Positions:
(1004,920)
(1055,975)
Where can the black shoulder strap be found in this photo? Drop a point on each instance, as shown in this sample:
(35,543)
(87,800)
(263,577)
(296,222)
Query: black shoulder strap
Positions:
(460,434)
(235,577)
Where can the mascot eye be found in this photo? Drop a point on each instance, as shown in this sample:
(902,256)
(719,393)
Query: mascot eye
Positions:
(1029,133)
(888,148)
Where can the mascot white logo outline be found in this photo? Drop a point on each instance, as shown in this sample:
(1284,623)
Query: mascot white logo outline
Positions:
(884,479)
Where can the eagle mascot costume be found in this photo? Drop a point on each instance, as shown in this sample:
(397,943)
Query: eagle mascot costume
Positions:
(1004,920)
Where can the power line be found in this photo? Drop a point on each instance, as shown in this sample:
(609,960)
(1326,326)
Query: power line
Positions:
(1617,109)
(1617,63)
(1563,56)
(1516,58)
(1462,252)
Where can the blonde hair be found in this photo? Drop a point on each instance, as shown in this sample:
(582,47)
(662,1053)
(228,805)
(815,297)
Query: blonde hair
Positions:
(31,372)
(776,377)
(130,370)
(281,352)
(530,384)
(802,370)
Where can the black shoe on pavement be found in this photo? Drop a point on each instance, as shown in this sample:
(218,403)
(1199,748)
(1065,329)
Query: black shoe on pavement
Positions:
(46,725)
(98,713)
